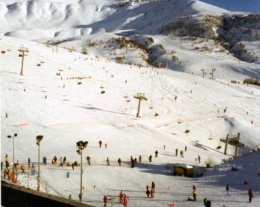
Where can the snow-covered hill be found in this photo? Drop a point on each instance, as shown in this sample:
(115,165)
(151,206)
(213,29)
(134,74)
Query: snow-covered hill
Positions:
(60,96)
(96,25)
(88,59)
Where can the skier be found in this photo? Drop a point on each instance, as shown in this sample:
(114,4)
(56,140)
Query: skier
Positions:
(150,158)
(156,153)
(176,152)
(164,147)
(100,143)
(72,165)
(140,158)
(2,166)
(250,195)
(29,162)
(181,153)
(125,201)
(152,189)
(64,159)
(194,192)
(147,191)
(105,200)
(6,163)
(44,160)
(152,193)
(108,163)
(153,185)
(185,148)
(199,158)
(207,203)
(119,162)
(227,189)
(55,159)
(132,162)
(121,197)
(88,160)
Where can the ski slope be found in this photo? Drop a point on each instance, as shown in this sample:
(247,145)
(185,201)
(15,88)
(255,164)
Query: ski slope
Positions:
(62,100)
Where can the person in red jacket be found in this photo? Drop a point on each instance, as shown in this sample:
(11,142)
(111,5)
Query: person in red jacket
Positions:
(121,197)
(125,201)
(105,200)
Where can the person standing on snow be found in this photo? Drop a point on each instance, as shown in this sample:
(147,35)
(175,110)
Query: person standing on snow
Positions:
(153,186)
(108,163)
(150,158)
(119,162)
(140,158)
(121,197)
(156,153)
(194,192)
(125,201)
(227,189)
(88,160)
(105,200)
(250,195)
(44,160)
(100,143)
(147,191)
(29,162)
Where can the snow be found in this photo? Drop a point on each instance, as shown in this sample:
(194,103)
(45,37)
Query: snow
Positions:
(81,112)
(60,97)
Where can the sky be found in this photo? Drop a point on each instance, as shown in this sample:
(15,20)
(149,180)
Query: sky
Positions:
(237,5)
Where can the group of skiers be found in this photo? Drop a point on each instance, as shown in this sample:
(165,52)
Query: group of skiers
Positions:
(207,203)
(150,193)
(123,199)
(249,192)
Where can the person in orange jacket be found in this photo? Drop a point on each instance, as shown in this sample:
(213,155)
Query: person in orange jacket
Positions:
(125,201)
(121,197)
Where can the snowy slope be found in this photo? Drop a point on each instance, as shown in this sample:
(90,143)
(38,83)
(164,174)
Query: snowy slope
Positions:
(78,23)
(70,19)
(62,100)
(67,96)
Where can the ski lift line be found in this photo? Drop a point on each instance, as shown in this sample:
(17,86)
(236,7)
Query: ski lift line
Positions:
(185,98)
(58,64)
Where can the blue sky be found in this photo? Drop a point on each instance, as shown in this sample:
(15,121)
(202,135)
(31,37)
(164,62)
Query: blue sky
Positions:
(237,5)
